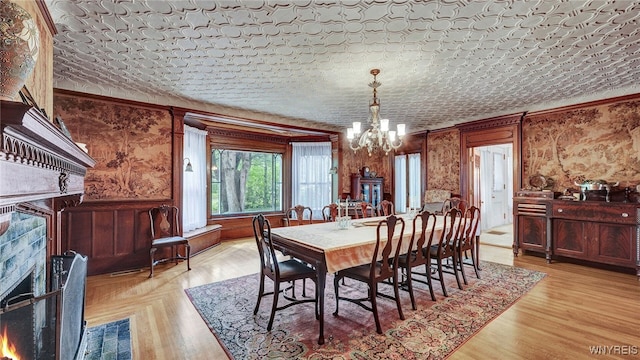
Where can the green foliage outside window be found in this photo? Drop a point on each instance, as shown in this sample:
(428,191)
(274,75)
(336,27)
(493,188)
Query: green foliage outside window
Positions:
(245,182)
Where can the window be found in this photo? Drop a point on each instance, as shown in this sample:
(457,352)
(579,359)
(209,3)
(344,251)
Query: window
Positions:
(245,182)
(407,182)
(310,178)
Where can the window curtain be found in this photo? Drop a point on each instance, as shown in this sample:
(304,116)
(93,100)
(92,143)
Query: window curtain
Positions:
(400,183)
(194,185)
(414,181)
(310,177)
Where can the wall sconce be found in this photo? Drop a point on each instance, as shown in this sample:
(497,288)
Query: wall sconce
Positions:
(333,170)
(189,167)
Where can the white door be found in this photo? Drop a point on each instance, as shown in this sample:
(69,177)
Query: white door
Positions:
(496,185)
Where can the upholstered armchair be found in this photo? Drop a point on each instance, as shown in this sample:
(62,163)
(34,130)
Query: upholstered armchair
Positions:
(434,200)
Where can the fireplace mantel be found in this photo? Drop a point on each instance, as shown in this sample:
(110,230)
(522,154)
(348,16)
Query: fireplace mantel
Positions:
(37,161)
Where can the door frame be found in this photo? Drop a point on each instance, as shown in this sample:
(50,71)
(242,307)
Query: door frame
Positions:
(495,131)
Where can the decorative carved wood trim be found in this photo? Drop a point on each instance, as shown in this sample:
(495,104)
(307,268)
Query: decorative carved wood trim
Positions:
(16,149)
(512,119)
(64,202)
(215,132)
(109,99)
(37,161)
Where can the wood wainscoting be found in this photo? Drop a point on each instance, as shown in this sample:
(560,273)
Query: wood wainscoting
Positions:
(116,235)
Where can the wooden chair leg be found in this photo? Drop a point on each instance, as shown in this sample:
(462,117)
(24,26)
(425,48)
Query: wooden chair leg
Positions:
(336,284)
(373,291)
(410,287)
(441,275)
(260,291)
(461,265)
(188,250)
(274,307)
(396,291)
(454,259)
(151,255)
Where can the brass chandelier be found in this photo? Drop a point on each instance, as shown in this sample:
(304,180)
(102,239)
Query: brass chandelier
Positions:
(379,136)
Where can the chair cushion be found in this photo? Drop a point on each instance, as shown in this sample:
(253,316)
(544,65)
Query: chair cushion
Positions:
(169,241)
(292,268)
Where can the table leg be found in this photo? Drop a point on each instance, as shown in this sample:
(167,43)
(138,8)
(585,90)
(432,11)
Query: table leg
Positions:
(321,272)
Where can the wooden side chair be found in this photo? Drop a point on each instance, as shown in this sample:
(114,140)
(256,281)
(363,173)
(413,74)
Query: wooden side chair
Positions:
(279,272)
(446,247)
(165,232)
(467,241)
(330,212)
(386,208)
(454,202)
(299,215)
(364,209)
(418,254)
(377,272)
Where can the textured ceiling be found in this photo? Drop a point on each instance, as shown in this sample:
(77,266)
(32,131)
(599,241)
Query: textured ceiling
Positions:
(307,62)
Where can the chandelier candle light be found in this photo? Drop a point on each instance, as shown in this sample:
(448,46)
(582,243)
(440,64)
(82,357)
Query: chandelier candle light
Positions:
(379,136)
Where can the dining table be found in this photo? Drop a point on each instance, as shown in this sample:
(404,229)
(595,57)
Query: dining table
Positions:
(330,247)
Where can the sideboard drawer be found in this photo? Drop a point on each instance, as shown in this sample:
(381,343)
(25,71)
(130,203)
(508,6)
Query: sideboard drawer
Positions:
(596,212)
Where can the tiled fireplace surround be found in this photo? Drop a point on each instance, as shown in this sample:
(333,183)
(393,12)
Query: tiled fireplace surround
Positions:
(23,250)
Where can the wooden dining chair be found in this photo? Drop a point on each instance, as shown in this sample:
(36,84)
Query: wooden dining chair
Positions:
(454,202)
(330,212)
(467,241)
(165,233)
(445,248)
(418,254)
(364,210)
(386,208)
(387,249)
(299,215)
(280,272)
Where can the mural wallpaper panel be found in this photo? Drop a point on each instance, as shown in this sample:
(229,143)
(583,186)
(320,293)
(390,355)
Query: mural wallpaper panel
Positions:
(595,143)
(352,163)
(443,160)
(131,146)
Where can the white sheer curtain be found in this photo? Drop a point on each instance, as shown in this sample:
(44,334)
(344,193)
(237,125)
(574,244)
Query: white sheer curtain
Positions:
(407,182)
(194,186)
(310,177)
(414,181)
(400,183)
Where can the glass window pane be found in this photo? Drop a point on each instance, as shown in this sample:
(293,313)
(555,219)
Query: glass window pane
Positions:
(245,182)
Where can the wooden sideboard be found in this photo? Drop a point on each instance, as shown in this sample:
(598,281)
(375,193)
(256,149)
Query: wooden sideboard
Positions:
(598,232)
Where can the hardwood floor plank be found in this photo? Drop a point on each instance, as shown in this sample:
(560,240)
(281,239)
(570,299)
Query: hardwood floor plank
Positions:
(573,308)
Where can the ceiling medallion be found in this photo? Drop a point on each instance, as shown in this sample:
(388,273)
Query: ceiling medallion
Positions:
(379,136)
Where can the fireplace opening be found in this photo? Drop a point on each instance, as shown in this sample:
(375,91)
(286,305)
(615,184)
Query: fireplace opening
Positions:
(50,326)
(22,290)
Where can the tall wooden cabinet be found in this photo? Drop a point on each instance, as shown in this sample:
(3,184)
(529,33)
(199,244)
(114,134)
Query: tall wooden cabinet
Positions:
(367,189)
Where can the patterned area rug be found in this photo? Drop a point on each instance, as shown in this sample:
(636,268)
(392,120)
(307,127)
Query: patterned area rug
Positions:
(110,341)
(432,331)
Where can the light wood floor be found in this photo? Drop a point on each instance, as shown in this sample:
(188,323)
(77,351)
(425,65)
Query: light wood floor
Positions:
(573,308)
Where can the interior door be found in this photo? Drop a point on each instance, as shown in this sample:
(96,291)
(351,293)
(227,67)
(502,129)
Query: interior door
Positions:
(495,185)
